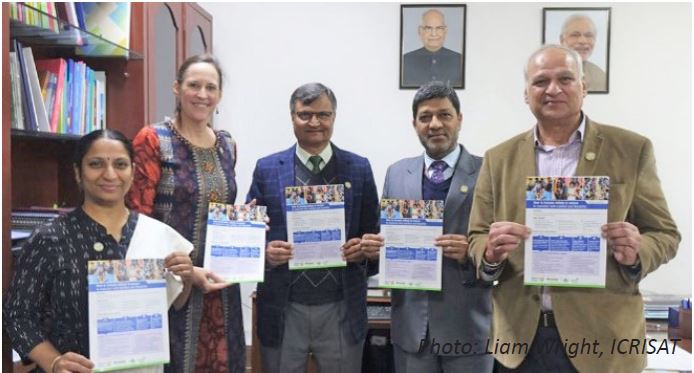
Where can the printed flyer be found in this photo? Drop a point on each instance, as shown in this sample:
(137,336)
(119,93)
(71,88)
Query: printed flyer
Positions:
(565,215)
(316,225)
(409,259)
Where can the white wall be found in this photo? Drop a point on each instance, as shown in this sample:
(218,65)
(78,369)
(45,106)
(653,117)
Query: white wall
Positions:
(267,50)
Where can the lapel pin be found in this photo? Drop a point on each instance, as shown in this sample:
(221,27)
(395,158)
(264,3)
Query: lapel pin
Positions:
(348,184)
(590,156)
(463,188)
(98,247)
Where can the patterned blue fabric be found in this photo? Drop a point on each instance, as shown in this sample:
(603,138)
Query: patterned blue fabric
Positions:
(271,175)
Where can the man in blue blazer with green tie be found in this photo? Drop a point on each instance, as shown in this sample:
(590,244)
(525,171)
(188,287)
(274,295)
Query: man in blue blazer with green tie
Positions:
(321,312)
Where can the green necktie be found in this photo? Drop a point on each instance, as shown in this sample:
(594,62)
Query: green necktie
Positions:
(315,160)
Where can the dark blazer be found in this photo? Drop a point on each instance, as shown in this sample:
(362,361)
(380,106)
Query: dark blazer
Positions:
(421,66)
(461,311)
(272,174)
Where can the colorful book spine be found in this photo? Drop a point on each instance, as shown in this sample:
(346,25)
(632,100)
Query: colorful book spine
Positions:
(66,11)
(100,77)
(78,86)
(49,96)
(35,87)
(55,95)
(27,100)
(38,14)
(16,85)
(70,93)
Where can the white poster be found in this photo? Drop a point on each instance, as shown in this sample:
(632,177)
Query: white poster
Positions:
(128,319)
(409,259)
(316,225)
(565,215)
(235,242)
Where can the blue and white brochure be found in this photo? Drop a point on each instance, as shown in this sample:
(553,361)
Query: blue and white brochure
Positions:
(235,242)
(565,215)
(316,225)
(409,259)
(128,318)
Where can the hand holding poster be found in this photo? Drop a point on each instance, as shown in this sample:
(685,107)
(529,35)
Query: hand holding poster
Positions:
(565,215)
(128,318)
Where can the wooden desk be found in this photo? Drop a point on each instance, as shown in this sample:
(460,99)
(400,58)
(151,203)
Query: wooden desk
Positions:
(256,362)
(660,329)
(685,343)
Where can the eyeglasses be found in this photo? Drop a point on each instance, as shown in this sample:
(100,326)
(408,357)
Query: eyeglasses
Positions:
(430,29)
(308,115)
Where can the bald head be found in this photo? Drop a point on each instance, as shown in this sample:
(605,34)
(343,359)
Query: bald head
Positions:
(579,33)
(570,54)
(432,30)
(432,14)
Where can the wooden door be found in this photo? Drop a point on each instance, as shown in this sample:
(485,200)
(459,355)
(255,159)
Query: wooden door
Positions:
(164,53)
(198,30)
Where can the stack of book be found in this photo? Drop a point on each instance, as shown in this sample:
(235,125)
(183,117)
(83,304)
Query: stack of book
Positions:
(55,95)
(62,95)
(43,15)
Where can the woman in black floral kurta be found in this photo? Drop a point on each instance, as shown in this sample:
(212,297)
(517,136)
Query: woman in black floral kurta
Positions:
(45,312)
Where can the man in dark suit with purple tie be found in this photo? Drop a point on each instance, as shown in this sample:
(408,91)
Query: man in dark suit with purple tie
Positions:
(432,330)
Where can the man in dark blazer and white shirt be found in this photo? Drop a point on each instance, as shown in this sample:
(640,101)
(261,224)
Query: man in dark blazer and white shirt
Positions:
(443,330)
(321,312)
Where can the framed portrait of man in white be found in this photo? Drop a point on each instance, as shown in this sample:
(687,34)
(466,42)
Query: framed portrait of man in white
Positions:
(432,44)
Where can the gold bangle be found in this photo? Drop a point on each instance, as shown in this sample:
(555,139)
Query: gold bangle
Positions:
(55,361)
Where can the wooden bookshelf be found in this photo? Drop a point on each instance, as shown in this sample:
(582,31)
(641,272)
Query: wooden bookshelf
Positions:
(41,167)
(37,169)
(6,188)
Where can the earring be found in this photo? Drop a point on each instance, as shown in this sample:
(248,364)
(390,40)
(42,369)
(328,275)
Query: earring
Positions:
(216,111)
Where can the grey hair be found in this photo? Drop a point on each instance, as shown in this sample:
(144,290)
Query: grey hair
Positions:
(310,92)
(572,53)
(577,17)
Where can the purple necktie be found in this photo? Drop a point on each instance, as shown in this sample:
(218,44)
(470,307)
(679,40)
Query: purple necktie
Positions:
(437,168)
